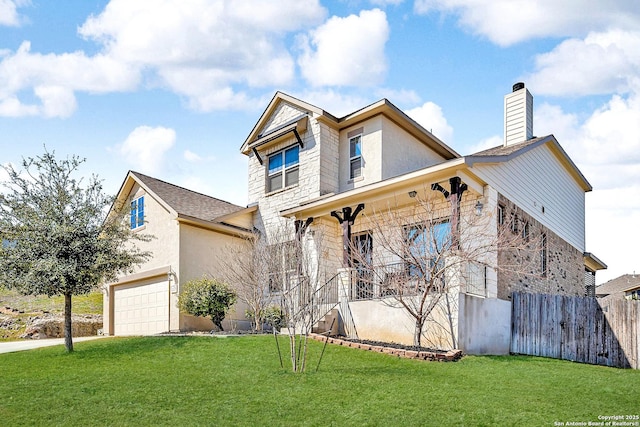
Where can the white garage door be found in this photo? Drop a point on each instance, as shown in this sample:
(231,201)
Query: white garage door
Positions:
(141,308)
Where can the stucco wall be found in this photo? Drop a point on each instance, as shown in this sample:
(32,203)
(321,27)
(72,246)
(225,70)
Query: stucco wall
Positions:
(385,320)
(485,325)
(201,252)
(402,153)
(164,245)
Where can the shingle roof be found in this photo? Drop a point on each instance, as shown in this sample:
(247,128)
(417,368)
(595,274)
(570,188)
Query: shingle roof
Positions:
(187,202)
(619,284)
(505,150)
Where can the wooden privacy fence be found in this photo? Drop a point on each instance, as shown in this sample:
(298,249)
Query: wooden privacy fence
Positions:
(576,328)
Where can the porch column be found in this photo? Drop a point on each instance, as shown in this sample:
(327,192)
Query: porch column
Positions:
(301,228)
(454,197)
(346,220)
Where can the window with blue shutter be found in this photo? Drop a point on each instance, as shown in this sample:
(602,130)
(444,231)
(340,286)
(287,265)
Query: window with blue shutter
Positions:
(136,216)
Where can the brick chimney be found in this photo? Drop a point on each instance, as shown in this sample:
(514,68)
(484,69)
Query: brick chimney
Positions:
(518,115)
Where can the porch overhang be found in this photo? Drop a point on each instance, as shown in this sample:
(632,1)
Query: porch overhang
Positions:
(592,262)
(392,190)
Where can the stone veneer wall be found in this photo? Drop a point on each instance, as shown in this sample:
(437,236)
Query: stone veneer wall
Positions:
(318,175)
(565,269)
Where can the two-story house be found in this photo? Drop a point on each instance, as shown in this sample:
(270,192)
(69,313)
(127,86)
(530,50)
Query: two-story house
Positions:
(314,176)
(309,167)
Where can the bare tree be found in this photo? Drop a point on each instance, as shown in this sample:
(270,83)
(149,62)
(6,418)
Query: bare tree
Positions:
(248,267)
(285,269)
(426,250)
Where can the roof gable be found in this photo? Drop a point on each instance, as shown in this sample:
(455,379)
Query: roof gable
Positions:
(505,153)
(178,200)
(271,120)
(268,124)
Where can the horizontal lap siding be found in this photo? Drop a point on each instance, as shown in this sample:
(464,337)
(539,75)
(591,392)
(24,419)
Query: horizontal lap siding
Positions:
(536,179)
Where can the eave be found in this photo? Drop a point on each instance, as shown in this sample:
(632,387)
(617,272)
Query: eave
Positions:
(220,227)
(388,189)
(592,262)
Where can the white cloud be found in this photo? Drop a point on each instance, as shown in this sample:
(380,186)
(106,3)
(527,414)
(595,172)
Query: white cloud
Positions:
(9,12)
(145,148)
(430,116)
(606,140)
(602,63)
(205,49)
(612,231)
(346,51)
(211,52)
(193,157)
(401,96)
(506,22)
(606,148)
(54,79)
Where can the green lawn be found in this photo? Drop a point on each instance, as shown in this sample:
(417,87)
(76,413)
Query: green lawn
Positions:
(238,381)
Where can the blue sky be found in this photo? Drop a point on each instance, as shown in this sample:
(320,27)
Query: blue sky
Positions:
(172,88)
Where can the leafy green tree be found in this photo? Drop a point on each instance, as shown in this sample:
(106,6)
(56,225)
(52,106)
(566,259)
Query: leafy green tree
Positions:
(60,238)
(207,297)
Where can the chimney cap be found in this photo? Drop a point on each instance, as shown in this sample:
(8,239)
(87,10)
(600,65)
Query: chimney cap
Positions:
(518,86)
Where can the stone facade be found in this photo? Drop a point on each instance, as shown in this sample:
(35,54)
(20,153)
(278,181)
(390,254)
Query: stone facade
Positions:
(564,272)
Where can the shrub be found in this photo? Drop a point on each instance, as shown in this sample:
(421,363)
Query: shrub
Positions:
(272,316)
(207,297)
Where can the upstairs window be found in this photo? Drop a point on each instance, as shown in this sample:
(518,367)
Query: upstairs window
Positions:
(283,168)
(137,213)
(355,156)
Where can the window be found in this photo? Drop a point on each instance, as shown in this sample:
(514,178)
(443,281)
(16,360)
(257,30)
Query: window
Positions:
(525,231)
(543,255)
(283,168)
(426,245)
(137,213)
(355,156)
(500,215)
(514,223)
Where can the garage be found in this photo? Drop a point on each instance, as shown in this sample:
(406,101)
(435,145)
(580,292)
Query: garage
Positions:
(141,308)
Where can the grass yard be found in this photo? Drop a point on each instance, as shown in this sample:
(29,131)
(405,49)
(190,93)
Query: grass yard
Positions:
(238,381)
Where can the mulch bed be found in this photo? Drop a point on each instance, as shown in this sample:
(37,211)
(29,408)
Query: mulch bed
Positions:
(399,350)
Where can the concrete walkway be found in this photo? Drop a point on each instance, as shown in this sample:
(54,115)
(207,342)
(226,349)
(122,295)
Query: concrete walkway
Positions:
(11,346)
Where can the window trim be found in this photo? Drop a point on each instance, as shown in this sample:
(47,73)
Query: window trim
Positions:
(283,168)
(136,215)
(357,157)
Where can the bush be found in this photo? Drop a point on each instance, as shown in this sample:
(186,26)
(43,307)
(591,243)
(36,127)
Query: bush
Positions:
(207,297)
(272,316)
